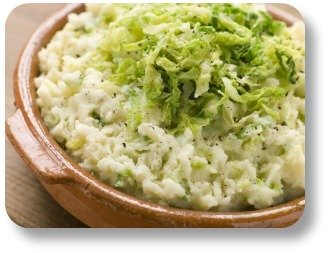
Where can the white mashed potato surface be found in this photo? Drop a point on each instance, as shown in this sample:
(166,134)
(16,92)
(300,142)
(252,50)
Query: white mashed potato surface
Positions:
(185,105)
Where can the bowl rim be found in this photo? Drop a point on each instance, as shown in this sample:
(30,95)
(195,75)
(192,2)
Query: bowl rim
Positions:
(24,91)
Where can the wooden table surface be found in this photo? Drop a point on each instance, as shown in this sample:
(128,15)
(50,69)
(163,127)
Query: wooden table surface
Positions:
(27,203)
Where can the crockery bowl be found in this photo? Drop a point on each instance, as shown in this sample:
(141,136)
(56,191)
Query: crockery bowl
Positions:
(85,196)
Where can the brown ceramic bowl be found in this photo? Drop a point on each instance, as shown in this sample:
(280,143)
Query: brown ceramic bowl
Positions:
(86,197)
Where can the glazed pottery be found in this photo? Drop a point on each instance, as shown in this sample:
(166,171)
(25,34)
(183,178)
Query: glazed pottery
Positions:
(83,195)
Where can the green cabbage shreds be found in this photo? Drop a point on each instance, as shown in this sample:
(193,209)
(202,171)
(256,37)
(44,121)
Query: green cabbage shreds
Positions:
(188,60)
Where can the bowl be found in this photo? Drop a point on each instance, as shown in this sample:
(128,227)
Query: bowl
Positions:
(85,196)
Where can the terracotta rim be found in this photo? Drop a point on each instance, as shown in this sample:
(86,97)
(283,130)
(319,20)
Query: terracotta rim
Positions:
(65,171)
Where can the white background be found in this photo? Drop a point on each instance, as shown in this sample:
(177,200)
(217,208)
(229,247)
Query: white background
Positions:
(308,235)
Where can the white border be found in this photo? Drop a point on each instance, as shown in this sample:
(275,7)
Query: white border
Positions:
(307,235)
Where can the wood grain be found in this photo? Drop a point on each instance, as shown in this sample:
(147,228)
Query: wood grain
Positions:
(27,203)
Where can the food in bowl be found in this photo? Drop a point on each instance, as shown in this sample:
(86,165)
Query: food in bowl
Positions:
(196,106)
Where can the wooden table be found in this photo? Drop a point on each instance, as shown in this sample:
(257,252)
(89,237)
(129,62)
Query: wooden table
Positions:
(27,203)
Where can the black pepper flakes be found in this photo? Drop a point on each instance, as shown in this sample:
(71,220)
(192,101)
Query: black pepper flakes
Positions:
(124,144)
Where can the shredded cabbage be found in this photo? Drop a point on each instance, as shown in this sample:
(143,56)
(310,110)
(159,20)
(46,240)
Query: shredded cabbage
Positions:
(178,54)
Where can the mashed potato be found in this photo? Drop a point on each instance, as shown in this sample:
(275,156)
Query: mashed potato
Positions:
(185,105)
